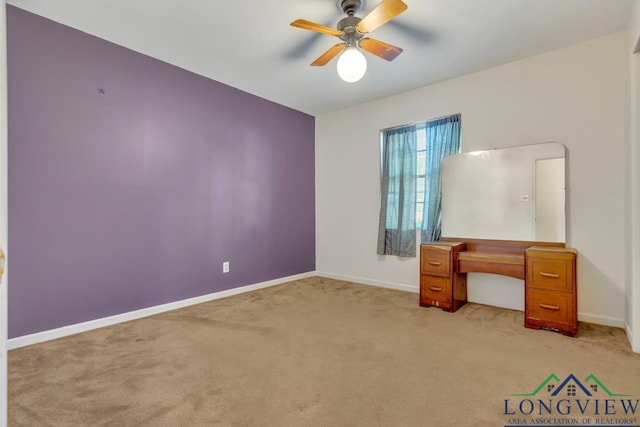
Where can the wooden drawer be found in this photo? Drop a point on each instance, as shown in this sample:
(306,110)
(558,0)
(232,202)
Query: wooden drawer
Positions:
(550,307)
(435,262)
(549,274)
(435,291)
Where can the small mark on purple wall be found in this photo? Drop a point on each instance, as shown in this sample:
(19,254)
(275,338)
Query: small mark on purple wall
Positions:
(101,91)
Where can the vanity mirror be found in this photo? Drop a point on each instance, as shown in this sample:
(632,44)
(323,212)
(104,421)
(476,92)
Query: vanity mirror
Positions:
(503,222)
(513,193)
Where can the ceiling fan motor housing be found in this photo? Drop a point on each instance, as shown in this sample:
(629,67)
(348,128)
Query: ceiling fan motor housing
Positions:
(350,7)
(348,25)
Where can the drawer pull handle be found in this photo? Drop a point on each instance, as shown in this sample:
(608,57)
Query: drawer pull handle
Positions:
(550,307)
(435,288)
(551,275)
(436,263)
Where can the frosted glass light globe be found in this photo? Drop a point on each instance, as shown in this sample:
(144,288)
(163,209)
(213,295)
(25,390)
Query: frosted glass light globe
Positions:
(352,65)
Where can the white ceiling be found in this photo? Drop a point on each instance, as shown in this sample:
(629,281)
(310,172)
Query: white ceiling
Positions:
(250,45)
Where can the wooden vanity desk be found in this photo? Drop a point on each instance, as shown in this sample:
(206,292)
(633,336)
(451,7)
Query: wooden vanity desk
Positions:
(547,268)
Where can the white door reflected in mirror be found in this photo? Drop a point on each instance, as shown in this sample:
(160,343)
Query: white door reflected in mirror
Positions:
(549,215)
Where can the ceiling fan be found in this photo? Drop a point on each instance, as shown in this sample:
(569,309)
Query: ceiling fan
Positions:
(352,31)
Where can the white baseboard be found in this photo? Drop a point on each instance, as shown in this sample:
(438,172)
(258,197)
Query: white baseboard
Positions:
(627,329)
(583,317)
(64,331)
(601,320)
(632,342)
(362,280)
(77,328)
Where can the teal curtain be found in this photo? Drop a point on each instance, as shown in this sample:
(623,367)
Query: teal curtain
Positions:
(397,226)
(443,139)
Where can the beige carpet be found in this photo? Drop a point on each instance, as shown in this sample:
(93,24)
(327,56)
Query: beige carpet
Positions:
(315,352)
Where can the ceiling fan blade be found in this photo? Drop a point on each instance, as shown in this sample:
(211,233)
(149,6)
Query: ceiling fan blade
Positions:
(382,13)
(381,49)
(328,55)
(312,26)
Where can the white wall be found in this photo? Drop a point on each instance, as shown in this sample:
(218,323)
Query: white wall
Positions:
(575,96)
(632,189)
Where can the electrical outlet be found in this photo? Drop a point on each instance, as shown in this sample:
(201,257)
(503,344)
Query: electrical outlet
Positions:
(225,267)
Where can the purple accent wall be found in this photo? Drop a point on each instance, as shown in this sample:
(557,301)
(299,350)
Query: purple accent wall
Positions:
(134,198)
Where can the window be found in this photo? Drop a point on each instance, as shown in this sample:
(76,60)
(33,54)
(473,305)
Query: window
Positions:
(421,170)
(411,156)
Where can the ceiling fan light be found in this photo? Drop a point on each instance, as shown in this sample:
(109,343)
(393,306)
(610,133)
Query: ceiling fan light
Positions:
(352,65)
